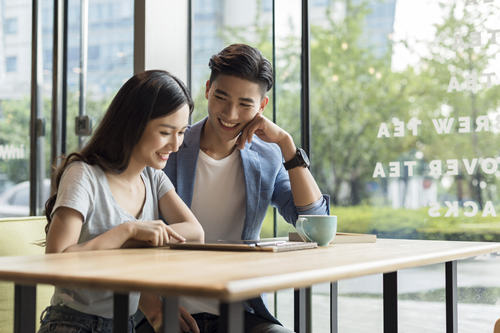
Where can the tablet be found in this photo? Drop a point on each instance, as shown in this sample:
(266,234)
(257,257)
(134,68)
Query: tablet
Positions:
(246,245)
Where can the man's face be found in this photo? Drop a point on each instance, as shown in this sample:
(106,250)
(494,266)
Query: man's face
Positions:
(232,104)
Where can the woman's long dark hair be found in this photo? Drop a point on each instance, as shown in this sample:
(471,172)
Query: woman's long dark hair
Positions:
(145,96)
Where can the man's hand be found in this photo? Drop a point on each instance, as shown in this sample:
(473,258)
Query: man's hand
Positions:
(186,321)
(151,306)
(268,131)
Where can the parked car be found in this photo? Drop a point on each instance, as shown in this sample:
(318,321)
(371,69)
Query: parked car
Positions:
(15,201)
(4,182)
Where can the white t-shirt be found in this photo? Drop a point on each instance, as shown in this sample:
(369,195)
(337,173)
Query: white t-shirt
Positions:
(219,204)
(85,189)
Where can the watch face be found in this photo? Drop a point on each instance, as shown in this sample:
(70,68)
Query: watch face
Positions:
(303,156)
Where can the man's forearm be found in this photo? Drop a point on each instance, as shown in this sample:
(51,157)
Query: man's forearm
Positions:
(305,191)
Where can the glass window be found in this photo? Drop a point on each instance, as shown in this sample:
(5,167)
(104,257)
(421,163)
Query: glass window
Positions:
(15,57)
(10,26)
(218,24)
(405,114)
(109,64)
(11,64)
(109,59)
(21,197)
(93,53)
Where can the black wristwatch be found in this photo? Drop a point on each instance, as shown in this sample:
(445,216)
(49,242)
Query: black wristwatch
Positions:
(300,159)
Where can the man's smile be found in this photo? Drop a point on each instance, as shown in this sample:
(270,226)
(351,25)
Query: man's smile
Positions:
(226,124)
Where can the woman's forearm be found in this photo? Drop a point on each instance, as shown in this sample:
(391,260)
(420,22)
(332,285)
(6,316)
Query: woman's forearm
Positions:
(192,231)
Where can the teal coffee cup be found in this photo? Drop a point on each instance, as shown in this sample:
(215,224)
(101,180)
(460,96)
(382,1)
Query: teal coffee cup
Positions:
(317,228)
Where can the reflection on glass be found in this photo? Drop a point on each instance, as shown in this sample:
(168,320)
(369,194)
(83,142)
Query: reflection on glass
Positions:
(405,110)
(405,107)
(109,58)
(15,60)
(405,104)
(217,24)
(110,52)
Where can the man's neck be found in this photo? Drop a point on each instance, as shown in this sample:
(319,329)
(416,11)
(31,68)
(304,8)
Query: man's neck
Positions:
(211,145)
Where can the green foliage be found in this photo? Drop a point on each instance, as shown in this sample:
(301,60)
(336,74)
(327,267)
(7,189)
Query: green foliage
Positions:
(200,106)
(354,90)
(452,54)
(14,130)
(267,226)
(387,222)
(95,108)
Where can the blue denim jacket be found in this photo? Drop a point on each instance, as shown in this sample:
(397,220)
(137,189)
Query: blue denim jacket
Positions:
(266,183)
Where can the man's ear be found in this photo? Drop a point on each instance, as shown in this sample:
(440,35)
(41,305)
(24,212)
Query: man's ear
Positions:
(207,88)
(263,103)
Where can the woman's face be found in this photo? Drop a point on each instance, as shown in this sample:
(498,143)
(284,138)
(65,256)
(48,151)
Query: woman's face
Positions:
(161,136)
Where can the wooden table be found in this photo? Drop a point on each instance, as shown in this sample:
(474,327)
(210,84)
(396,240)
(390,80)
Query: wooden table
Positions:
(233,277)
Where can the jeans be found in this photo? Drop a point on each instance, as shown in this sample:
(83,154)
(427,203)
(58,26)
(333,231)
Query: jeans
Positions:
(60,318)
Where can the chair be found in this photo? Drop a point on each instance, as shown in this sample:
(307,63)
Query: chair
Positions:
(21,236)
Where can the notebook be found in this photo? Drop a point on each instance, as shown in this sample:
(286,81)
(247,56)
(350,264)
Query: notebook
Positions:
(246,245)
(342,237)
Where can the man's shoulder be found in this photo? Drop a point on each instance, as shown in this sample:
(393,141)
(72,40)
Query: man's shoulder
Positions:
(192,134)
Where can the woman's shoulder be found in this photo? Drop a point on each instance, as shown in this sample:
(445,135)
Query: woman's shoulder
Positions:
(83,170)
(153,174)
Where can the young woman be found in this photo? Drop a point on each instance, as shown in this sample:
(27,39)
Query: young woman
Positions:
(112,193)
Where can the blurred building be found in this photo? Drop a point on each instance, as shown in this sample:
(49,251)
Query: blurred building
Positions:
(110,38)
(15,48)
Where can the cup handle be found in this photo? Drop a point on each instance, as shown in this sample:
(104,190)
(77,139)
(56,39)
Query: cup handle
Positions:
(300,229)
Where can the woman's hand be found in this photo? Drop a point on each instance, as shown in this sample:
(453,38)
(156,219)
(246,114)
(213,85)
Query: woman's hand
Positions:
(180,218)
(154,233)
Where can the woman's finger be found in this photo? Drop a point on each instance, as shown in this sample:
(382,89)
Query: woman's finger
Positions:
(166,238)
(161,238)
(174,234)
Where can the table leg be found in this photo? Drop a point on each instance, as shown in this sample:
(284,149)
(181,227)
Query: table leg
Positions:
(390,302)
(24,308)
(120,313)
(451,297)
(309,310)
(170,315)
(334,319)
(299,300)
(232,319)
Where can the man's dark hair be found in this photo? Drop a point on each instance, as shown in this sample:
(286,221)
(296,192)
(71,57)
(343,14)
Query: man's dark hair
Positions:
(245,62)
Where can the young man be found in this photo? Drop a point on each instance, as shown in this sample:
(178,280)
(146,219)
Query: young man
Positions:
(234,164)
